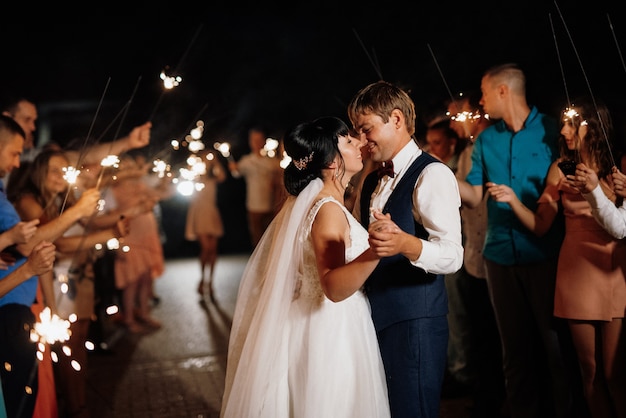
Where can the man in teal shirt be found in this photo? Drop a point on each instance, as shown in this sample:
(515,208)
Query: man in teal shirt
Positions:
(517,151)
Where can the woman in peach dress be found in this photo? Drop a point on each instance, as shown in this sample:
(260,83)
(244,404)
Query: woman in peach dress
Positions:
(139,260)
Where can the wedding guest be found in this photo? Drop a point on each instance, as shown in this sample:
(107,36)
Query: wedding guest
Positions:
(144,261)
(474,353)
(442,143)
(45,196)
(261,173)
(521,267)
(591,278)
(204,222)
(19,381)
(419,244)
(302,342)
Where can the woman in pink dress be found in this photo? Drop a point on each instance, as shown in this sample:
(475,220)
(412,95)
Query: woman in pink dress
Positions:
(590,284)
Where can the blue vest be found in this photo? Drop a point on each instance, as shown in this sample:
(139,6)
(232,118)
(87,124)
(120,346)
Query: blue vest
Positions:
(397,290)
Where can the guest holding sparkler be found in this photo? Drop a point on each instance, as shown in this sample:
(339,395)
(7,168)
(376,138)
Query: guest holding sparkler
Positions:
(591,280)
(85,155)
(45,195)
(591,277)
(204,222)
(17,351)
(262,175)
(143,261)
(474,352)
(521,267)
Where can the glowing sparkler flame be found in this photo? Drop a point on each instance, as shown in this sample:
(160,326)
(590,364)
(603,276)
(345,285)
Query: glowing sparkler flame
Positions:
(198,131)
(160,167)
(195,146)
(186,187)
(197,167)
(223,148)
(169,82)
(70,174)
(466,116)
(285,161)
(270,147)
(110,161)
(113,244)
(50,328)
(570,113)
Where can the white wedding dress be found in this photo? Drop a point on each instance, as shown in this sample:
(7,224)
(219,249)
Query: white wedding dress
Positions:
(309,357)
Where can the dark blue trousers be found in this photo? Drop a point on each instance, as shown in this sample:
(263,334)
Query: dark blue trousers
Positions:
(414,354)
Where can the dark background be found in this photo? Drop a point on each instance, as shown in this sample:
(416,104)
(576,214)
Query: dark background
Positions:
(96,76)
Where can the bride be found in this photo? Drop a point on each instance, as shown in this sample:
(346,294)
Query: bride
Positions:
(302,342)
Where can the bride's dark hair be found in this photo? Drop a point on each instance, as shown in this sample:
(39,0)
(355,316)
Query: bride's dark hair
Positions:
(312,146)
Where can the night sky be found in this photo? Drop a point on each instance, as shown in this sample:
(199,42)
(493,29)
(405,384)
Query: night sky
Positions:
(93,80)
(240,69)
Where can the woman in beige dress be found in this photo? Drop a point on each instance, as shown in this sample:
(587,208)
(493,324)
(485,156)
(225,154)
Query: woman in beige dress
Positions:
(590,290)
(204,223)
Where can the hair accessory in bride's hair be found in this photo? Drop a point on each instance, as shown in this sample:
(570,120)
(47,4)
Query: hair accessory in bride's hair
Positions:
(302,162)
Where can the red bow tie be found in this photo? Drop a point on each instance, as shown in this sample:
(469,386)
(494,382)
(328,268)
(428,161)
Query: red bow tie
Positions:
(386,169)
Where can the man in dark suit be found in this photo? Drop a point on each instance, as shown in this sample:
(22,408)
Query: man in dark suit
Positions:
(420,244)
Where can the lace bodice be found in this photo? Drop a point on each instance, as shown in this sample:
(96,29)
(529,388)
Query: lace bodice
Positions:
(308,284)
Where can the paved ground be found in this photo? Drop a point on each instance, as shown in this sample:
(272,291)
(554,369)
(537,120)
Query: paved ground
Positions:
(178,371)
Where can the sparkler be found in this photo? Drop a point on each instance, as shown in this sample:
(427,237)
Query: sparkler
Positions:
(187,185)
(369,57)
(196,168)
(284,162)
(70,174)
(569,112)
(194,131)
(84,146)
(95,116)
(602,126)
(224,149)
(445,83)
(50,328)
(270,147)
(108,161)
(169,81)
(461,117)
(619,51)
(160,167)
(556,45)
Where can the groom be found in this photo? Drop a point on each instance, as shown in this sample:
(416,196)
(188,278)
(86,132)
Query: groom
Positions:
(407,291)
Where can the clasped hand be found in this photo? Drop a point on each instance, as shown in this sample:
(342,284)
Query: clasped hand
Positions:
(585,180)
(384,235)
